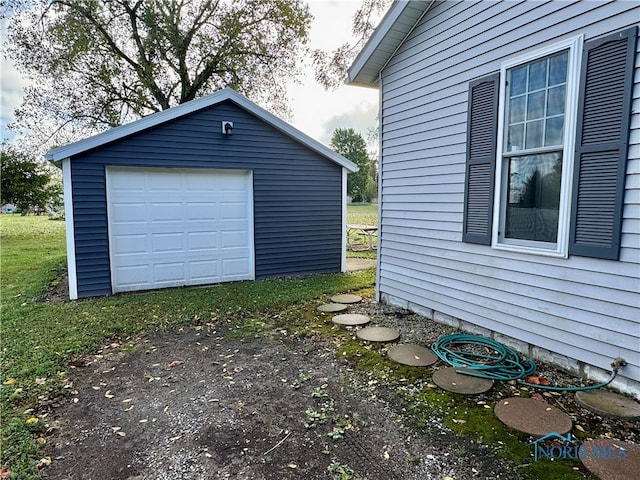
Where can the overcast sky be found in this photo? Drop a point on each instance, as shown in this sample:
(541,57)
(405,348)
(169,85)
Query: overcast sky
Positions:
(316,112)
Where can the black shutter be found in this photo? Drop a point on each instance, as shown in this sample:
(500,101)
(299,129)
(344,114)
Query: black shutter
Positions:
(606,83)
(482,126)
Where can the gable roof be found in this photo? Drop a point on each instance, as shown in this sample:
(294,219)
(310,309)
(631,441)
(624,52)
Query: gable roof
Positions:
(399,21)
(227,94)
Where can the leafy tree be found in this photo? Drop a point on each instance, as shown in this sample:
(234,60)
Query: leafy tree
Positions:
(26,183)
(350,144)
(94,64)
(331,68)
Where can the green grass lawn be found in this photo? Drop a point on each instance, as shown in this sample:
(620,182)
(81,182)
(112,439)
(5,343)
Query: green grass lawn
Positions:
(39,339)
(363,213)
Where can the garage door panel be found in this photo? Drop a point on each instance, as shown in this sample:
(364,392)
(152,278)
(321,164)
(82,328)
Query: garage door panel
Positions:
(201,210)
(169,272)
(130,245)
(166,212)
(179,227)
(133,275)
(204,269)
(231,239)
(234,267)
(127,212)
(202,241)
(168,243)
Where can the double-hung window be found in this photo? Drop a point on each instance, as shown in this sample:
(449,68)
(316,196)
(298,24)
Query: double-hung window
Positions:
(535,147)
(547,146)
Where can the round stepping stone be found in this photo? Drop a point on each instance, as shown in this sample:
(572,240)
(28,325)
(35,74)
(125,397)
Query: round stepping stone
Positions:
(611,459)
(608,403)
(351,319)
(346,298)
(414,355)
(332,307)
(378,334)
(449,379)
(532,416)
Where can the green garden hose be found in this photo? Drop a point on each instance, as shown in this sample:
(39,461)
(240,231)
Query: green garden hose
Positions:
(485,358)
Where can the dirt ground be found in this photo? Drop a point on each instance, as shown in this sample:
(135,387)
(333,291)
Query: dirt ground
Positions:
(203,403)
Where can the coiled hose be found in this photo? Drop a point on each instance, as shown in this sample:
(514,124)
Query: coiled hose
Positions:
(486,358)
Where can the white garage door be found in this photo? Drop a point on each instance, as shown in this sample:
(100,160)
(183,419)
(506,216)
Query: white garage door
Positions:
(172,227)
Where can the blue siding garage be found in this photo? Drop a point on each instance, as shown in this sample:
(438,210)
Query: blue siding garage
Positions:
(296,187)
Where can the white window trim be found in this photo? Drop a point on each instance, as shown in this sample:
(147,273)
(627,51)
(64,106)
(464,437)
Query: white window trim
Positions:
(574,45)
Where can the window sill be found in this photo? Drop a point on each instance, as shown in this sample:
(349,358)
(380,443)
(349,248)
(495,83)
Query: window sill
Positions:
(556,253)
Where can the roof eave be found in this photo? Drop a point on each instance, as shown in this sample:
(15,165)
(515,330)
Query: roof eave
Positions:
(372,59)
(363,59)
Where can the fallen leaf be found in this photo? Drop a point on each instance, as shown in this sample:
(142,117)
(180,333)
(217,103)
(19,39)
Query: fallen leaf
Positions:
(175,363)
(292,465)
(455,420)
(108,394)
(386,455)
(578,427)
(10,381)
(122,434)
(4,473)
(32,420)
(544,381)
(41,381)
(127,400)
(128,409)
(44,462)
(533,379)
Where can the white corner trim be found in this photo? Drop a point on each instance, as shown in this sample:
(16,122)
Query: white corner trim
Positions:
(69,227)
(343,254)
(380,159)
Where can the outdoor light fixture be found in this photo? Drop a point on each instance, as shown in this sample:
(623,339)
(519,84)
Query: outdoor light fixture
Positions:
(227,127)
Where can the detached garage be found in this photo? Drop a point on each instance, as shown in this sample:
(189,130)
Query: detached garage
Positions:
(214,190)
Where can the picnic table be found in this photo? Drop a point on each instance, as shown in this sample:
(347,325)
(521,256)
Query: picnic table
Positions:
(361,237)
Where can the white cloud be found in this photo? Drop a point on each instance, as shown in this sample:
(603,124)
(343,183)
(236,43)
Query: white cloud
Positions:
(318,112)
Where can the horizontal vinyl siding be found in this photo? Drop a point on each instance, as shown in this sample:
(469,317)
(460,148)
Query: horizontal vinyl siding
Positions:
(297,193)
(587,309)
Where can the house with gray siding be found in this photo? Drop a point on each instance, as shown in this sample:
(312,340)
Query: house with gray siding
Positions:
(509,198)
(213,190)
